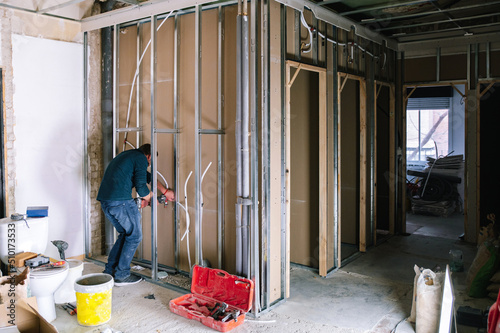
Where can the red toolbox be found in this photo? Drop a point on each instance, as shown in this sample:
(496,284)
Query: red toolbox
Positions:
(211,290)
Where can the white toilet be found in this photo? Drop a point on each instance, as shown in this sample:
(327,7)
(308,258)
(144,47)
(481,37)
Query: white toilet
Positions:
(66,292)
(31,235)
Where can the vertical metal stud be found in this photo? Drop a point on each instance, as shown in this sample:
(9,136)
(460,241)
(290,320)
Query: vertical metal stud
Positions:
(335,148)
(438,64)
(254,167)
(116,35)
(315,40)
(488,51)
(220,139)
(297,28)
(85,157)
(283,153)
(370,89)
(197,111)
(140,250)
(154,160)
(176,135)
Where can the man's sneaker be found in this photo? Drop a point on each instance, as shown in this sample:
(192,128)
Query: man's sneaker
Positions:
(131,279)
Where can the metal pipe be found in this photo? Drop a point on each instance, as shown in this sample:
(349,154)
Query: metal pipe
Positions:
(237,131)
(107,108)
(85,157)
(154,160)
(245,149)
(197,139)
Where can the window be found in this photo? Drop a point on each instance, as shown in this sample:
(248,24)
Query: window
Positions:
(426,133)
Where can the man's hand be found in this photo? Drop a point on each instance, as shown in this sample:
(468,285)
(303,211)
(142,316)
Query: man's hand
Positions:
(144,203)
(170,195)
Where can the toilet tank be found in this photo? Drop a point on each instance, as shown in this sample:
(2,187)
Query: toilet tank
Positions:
(29,235)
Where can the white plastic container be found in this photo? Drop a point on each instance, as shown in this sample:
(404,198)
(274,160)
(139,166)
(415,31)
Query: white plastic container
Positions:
(66,292)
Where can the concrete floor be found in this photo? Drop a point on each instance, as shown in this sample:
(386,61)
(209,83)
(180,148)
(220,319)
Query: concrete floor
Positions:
(370,294)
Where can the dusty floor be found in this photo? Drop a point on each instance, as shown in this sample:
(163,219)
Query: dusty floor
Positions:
(370,294)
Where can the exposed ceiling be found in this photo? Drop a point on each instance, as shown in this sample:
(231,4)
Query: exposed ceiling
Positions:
(421,20)
(403,21)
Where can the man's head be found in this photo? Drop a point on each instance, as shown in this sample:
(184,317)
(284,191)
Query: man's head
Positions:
(146,150)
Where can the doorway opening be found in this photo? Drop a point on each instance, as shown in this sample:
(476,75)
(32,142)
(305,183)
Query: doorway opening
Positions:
(435,160)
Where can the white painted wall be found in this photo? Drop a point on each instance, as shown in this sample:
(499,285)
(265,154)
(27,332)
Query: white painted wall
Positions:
(48,108)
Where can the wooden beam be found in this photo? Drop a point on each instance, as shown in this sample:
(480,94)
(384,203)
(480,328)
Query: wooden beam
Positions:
(363,161)
(458,90)
(287,177)
(392,159)
(485,90)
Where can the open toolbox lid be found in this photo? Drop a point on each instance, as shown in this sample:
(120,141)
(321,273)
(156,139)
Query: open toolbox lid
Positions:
(223,287)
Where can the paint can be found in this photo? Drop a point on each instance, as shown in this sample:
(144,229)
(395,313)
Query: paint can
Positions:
(93,299)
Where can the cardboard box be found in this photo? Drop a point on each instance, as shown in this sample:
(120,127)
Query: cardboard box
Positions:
(27,318)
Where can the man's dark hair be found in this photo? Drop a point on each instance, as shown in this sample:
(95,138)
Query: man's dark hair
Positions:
(146,149)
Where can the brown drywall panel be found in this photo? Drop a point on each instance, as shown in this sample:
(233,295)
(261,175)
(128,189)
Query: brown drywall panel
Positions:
(420,69)
(349,160)
(186,153)
(382,150)
(304,208)
(453,67)
(275,163)
(495,64)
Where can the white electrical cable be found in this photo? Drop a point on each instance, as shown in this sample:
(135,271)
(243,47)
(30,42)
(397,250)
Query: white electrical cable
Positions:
(188,221)
(201,211)
(309,29)
(137,74)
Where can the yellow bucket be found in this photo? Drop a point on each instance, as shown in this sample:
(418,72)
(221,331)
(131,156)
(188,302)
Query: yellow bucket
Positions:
(93,299)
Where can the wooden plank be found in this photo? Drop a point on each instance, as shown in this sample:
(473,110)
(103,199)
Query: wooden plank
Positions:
(276,255)
(458,90)
(307,67)
(363,151)
(290,83)
(323,176)
(392,160)
(484,91)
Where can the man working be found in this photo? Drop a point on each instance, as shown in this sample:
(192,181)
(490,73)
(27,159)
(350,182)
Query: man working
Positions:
(126,171)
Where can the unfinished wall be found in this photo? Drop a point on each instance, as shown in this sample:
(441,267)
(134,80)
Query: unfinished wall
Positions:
(304,206)
(383,148)
(349,113)
(168,228)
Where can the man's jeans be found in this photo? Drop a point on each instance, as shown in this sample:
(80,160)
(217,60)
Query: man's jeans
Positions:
(126,218)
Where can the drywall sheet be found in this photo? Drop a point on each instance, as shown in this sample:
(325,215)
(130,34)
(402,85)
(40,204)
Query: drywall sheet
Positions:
(349,162)
(453,67)
(48,106)
(420,69)
(304,169)
(383,149)
(488,165)
(170,228)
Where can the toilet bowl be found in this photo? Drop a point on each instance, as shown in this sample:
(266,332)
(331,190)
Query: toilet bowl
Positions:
(66,292)
(28,235)
(43,285)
